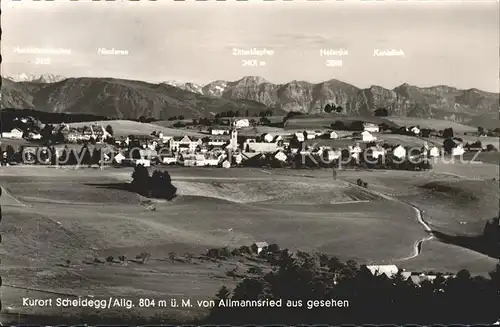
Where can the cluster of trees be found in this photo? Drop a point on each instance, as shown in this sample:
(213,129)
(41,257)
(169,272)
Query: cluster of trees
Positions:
(332,108)
(381,112)
(301,278)
(176,118)
(143,119)
(292,114)
(158,185)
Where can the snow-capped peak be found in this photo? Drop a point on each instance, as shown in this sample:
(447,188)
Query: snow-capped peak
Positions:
(43,78)
(187,86)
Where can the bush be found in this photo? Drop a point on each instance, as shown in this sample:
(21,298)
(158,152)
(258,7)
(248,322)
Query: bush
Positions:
(143,257)
(491,148)
(122,258)
(110,258)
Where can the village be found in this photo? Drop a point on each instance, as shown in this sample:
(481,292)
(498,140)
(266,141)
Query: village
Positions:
(236,144)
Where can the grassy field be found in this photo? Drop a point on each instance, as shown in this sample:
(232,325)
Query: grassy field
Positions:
(52,215)
(436,124)
(322,121)
(127,127)
(457,199)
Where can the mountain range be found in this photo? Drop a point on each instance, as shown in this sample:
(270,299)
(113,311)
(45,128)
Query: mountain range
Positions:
(130,99)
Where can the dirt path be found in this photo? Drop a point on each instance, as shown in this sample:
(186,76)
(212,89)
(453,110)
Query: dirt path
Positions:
(417,248)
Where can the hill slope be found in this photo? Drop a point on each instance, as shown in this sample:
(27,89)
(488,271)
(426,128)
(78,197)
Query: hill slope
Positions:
(117,98)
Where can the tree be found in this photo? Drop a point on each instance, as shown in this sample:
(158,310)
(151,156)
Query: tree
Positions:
(161,185)
(140,180)
(448,133)
(338,125)
(10,153)
(448,145)
(109,129)
(480,131)
(265,121)
(172,256)
(96,156)
(381,112)
(491,148)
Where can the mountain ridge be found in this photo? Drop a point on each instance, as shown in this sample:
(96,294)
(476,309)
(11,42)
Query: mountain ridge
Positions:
(123,97)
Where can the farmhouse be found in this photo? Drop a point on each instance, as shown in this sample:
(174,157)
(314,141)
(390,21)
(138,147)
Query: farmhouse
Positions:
(257,247)
(369,127)
(15,133)
(367,136)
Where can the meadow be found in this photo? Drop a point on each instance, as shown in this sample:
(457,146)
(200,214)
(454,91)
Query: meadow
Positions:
(435,124)
(52,215)
(128,127)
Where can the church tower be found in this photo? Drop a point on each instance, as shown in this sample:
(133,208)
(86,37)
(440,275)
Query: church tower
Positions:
(233,143)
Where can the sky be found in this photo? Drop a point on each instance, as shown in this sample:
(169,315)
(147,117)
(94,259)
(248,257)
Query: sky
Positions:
(454,43)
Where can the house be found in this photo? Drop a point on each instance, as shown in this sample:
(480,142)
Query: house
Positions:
(377,151)
(331,155)
(144,162)
(119,158)
(261,147)
(399,152)
(311,135)
(169,160)
(15,133)
(281,156)
(333,135)
(216,142)
(355,151)
(367,136)
(415,130)
(241,123)
(278,138)
(34,136)
(266,137)
(388,270)
(434,152)
(300,137)
(219,131)
(458,150)
(257,247)
(372,128)
(184,143)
